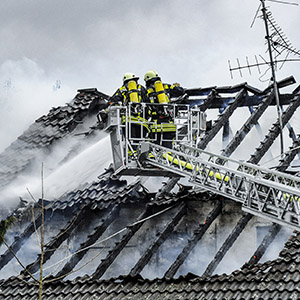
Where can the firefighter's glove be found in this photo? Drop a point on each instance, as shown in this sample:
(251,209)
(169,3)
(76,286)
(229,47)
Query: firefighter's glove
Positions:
(164,112)
(102,116)
(176,84)
(167,111)
(136,109)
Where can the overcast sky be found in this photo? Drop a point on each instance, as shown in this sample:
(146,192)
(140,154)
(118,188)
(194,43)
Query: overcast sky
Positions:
(92,43)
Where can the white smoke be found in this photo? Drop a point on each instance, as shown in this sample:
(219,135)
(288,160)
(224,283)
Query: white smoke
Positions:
(26,93)
(58,178)
(85,167)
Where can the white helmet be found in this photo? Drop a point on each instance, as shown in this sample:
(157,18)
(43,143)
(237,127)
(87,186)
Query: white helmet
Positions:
(129,76)
(150,75)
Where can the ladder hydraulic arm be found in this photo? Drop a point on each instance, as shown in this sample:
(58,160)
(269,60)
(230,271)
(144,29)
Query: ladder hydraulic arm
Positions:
(262,192)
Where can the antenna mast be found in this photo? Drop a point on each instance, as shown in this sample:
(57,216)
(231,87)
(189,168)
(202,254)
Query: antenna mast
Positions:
(272,65)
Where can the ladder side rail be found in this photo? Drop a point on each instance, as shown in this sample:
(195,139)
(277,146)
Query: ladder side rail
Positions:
(240,165)
(181,121)
(191,164)
(172,181)
(273,199)
(253,204)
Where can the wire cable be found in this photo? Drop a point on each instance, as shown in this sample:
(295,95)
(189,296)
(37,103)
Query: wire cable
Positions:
(109,237)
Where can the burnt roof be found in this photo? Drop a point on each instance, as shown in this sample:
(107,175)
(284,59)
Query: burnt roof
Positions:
(49,129)
(109,204)
(277,279)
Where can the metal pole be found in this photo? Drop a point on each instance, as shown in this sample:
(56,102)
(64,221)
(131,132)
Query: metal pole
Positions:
(273,74)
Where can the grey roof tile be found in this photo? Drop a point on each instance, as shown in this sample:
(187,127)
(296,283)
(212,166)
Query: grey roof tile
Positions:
(262,280)
(57,124)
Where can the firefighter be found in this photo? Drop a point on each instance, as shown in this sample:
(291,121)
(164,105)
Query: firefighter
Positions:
(132,94)
(130,91)
(162,126)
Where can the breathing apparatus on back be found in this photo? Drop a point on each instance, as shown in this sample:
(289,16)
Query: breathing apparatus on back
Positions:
(153,78)
(160,92)
(130,81)
(133,92)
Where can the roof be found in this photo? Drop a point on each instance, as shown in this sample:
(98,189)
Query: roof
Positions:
(277,279)
(181,237)
(47,131)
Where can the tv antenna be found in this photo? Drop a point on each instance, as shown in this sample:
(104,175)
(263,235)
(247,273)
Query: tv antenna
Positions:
(277,46)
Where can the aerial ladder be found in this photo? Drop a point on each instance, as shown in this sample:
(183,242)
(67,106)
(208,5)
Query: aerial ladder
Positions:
(263,192)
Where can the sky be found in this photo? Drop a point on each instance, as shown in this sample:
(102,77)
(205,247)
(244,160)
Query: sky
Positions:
(52,48)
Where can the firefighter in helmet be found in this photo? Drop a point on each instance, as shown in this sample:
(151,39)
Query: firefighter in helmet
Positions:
(162,126)
(132,94)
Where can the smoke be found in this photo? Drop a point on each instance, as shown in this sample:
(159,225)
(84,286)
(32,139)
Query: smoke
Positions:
(49,54)
(54,48)
(85,167)
(71,163)
(95,43)
(26,93)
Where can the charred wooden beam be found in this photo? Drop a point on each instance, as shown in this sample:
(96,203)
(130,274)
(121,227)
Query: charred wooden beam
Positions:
(167,187)
(236,88)
(20,240)
(139,266)
(224,90)
(268,239)
(226,133)
(220,122)
(209,101)
(274,131)
(84,247)
(119,246)
(245,129)
(227,244)
(245,101)
(54,244)
(198,234)
(289,155)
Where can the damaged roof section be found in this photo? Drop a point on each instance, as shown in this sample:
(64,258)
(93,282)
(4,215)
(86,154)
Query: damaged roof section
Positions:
(226,94)
(110,228)
(74,209)
(60,122)
(277,279)
(119,233)
(46,131)
(272,280)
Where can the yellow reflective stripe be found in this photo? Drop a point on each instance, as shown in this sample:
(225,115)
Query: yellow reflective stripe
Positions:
(150,155)
(137,120)
(130,153)
(164,130)
(165,127)
(151,94)
(189,166)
